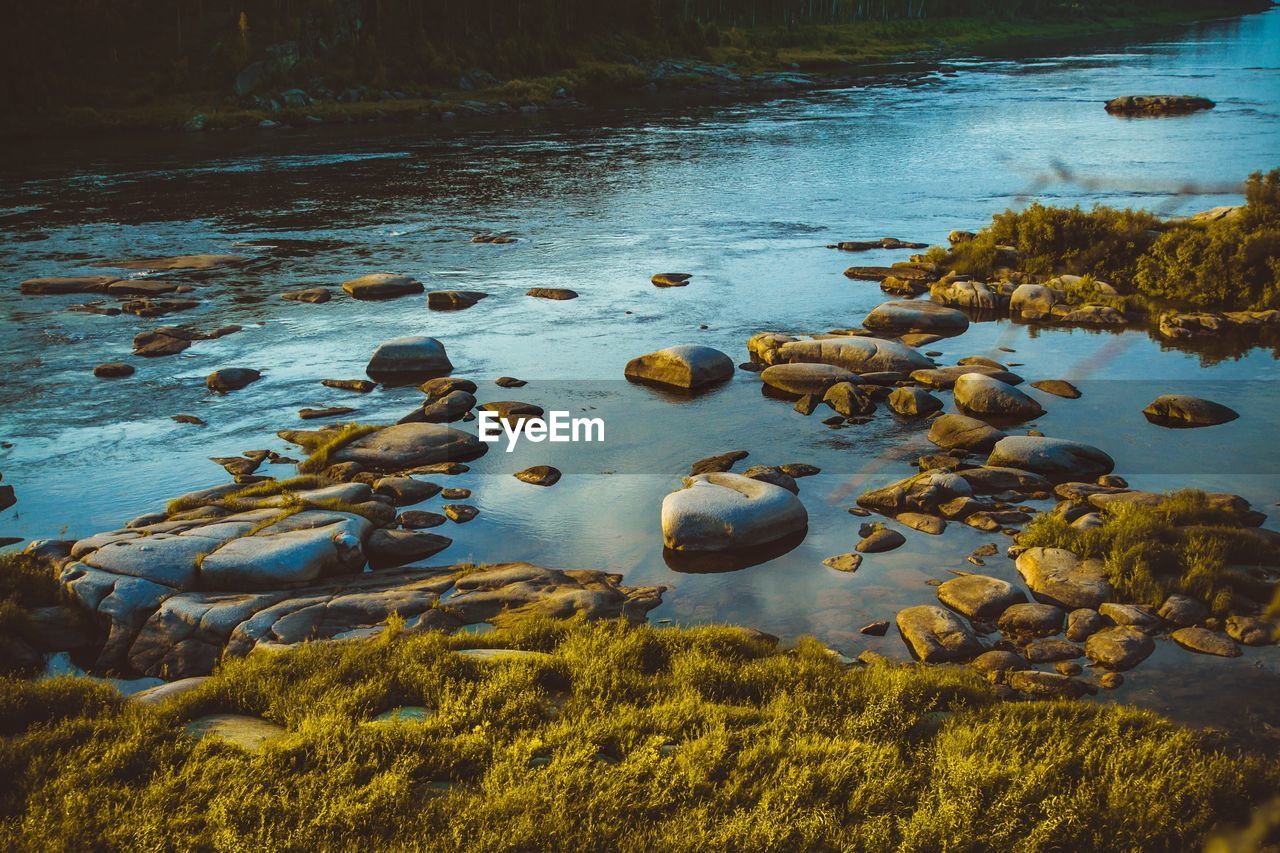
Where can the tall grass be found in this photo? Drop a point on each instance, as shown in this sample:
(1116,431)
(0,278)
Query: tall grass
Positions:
(624,738)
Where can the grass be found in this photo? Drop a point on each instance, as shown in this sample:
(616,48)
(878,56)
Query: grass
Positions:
(1229,264)
(631,738)
(24,583)
(1181,546)
(333,441)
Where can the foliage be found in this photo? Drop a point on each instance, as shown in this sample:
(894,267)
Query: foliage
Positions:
(25,582)
(1182,545)
(632,738)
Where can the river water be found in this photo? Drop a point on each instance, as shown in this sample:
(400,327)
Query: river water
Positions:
(745,197)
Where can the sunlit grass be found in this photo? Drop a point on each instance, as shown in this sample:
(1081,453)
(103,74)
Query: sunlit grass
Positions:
(634,738)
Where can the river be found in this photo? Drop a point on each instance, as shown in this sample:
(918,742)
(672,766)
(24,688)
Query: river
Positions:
(745,197)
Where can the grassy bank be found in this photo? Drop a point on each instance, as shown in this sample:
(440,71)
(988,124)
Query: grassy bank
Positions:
(632,738)
(593,68)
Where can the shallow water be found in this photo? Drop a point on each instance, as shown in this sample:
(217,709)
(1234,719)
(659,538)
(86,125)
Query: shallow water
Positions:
(743,196)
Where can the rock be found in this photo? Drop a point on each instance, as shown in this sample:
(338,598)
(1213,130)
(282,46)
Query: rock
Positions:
(455,494)
(176,262)
(964,433)
(301,547)
(1252,630)
(230,379)
(1059,577)
(416,519)
(936,635)
(998,660)
(141,287)
(987,480)
(509,382)
(405,491)
(1031,620)
(453,300)
(408,358)
(670,279)
(558,293)
(539,475)
(388,549)
(164,692)
(881,540)
(1206,642)
(881,273)
(1111,680)
(405,446)
(930,524)
(113,370)
(447,409)
(1058,388)
(846,399)
(965,294)
(1157,105)
(188,419)
(360,386)
(1068,667)
(800,469)
(719,463)
(957,237)
(512,411)
(806,378)
(1120,648)
(1048,685)
(910,316)
(857,354)
(442,386)
(945,377)
(1054,458)
(1133,615)
(1187,411)
(1183,611)
(249,733)
(979,596)
(1092,315)
(518,590)
(722,511)
(62,285)
(170,340)
(773,474)
(460,513)
(983,395)
(924,493)
(1051,651)
(1084,622)
(686,366)
(157,307)
(844,563)
(382,286)
(914,402)
(328,412)
(765,347)
(1032,301)
(313,295)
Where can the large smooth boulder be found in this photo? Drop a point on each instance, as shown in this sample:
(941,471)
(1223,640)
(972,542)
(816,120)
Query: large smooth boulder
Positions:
(723,511)
(1059,577)
(965,294)
(985,395)
(407,359)
(979,596)
(1187,411)
(1032,301)
(382,286)
(964,433)
(858,354)
(302,547)
(936,635)
(230,379)
(405,446)
(1055,458)
(801,379)
(1119,648)
(908,316)
(687,366)
(1032,619)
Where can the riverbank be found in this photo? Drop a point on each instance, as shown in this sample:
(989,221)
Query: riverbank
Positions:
(744,64)
(603,735)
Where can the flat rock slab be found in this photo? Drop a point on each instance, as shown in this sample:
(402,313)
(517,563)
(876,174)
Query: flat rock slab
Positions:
(405,446)
(555,293)
(1059,577)
(171,690)
(979,596)
(382,286)
(248,733)
(1206,642)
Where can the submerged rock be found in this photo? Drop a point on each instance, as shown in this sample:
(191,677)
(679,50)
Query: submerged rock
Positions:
(687,366)
(936,635)
(722,511)
(313,295)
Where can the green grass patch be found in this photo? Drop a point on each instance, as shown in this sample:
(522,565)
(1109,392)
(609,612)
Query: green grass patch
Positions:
(1232,263)
(321,454)
(1182,546)
(625,738)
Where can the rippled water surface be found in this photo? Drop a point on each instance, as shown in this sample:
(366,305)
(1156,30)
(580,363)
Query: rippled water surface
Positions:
(745,197)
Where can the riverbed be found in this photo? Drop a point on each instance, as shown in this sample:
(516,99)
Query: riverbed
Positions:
(746,197)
